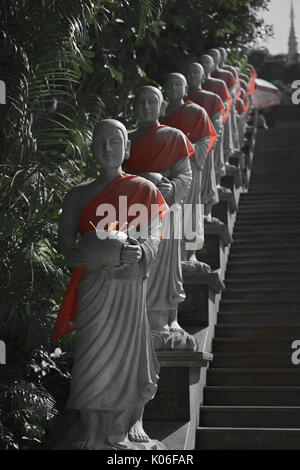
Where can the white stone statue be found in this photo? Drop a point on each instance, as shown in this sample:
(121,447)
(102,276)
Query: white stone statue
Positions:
(115,370)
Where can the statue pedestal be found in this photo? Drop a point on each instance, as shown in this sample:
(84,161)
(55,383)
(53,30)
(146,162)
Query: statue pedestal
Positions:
(199,310)
(216,247)
(226,209)
(234,183)
(173,415)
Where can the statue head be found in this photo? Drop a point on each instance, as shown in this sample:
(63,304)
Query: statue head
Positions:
(149,105)
(176,86)
(215,54)
(238,66)
(195,75)
(223,54)
(208,64)
(110,144)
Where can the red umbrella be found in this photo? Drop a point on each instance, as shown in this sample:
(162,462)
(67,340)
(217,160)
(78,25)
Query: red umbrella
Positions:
(265,94)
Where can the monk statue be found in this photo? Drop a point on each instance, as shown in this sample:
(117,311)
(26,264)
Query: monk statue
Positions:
(115,369)
(219,88)
(162,154)
(194,121)
(234,94)
(215,108)
(242,105)
(229,80)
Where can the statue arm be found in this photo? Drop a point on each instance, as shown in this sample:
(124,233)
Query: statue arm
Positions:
(149,243)
(201,149)
(180,177)
(217,120)
(68,229)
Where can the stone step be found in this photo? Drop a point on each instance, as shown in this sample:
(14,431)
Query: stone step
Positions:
(262,261)
(283,305)
(252,359)
(252,396)
(262,230)
(261,293)
(261,330)
(250,416)
(270,377)
(241,250)
(247,439)
(263,257)
(258,318)
(280,270)
(276,283)
(259,236)
(242,345)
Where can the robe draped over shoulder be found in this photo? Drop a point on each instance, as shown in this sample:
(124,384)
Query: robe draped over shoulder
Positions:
(194,121)
(227,77)
(220,88)
(211,102)
(165,150)
(136,190)
(157,149)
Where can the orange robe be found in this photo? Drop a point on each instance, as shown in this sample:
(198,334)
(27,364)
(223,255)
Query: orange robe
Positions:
(219,88)
(194,122)
(164,150)
(137,190)
(211,102)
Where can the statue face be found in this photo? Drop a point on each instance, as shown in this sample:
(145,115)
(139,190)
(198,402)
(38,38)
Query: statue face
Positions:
(109,147)
(208,65)
(194,76)
(216,56)
(175,88)
(147,107)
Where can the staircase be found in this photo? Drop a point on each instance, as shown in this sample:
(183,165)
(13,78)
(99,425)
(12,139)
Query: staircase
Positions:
(252,397)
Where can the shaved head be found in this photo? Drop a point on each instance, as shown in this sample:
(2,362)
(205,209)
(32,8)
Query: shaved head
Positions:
(215,54)
(152,89)
(177,75)
(113,123)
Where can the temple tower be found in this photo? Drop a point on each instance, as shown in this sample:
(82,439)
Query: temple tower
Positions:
(293,41)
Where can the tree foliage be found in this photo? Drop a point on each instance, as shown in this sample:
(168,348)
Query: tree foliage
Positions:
(67,64)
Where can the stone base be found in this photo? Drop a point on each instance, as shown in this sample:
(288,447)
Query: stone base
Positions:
(152,444)
(195,267)
(173,341)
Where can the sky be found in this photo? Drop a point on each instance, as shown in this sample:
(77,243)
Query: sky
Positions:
(279,16)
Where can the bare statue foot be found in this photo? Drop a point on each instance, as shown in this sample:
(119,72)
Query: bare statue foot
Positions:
(82,445)
(118,441)
(137,433)
(174,326)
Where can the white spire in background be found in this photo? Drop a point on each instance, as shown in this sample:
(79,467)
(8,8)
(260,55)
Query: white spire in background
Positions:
(293,42)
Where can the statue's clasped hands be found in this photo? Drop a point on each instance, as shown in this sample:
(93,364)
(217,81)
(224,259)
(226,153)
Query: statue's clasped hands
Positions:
(131,253)
(166,188)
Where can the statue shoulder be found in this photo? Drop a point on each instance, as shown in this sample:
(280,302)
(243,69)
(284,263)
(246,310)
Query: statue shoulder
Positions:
(78,194)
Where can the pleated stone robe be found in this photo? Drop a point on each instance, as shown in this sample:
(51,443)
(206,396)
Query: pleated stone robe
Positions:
(115,366)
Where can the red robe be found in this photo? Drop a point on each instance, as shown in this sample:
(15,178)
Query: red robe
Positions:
(253,76)
(226,76)
(194,122)
(211,102)
(158,149)
(233,70)
(244,85)
(245,99)
(220,88)
(137,190)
